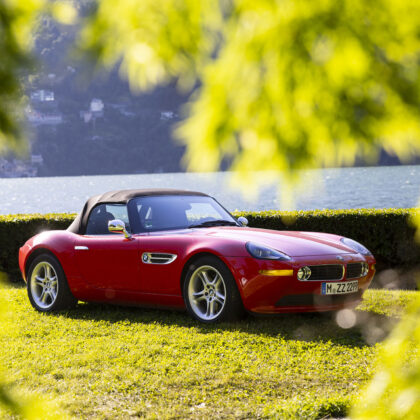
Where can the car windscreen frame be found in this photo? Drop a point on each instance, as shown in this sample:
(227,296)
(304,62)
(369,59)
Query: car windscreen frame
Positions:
(137,227)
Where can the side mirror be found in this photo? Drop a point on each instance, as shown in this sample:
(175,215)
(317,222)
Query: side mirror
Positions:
(243,221)
(118,226)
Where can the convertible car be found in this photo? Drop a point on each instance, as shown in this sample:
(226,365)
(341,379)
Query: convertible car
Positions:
(178,249)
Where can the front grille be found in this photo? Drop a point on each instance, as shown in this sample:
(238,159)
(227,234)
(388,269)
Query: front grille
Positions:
(318,300)
(326,272)
(354,270)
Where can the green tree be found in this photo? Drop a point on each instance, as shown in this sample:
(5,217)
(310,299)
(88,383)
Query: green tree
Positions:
(18,20)
(283,84)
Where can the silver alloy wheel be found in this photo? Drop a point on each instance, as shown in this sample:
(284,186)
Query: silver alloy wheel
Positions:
(44,285)
(207,292)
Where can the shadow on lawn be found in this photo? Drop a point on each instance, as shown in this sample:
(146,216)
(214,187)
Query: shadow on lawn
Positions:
(369,328)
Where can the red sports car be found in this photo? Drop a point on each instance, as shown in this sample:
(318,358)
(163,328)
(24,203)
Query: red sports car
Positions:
(171,248)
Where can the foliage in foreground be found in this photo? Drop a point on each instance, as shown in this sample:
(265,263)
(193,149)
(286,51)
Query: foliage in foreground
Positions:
(283,84)
(394,391)
(112,362)
(18,20)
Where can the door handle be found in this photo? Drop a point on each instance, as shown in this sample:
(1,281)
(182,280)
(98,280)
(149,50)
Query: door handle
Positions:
(81,248)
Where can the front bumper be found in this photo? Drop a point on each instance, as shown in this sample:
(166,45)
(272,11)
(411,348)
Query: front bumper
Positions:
(263,293)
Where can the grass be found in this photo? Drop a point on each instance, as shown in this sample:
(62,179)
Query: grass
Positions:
(110,362)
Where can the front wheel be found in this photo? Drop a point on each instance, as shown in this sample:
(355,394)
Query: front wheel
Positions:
(47,285)
(210,291)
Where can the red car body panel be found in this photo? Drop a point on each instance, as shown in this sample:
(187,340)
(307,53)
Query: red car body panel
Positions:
(111,268)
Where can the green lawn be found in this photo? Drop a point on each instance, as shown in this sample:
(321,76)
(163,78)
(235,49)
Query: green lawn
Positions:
(112,362)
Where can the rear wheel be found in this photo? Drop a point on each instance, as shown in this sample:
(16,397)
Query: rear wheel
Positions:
(47,285)
(210,291)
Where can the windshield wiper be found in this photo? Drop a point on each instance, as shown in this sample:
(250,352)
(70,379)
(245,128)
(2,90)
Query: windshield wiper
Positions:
(210,223)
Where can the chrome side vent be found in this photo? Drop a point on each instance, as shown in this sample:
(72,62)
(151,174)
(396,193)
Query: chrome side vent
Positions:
(157,258)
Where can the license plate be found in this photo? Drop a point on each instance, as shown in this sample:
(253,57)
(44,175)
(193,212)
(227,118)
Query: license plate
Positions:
(340,288)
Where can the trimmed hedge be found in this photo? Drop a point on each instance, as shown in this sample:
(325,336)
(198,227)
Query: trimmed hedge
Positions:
(387,233)
(16,229)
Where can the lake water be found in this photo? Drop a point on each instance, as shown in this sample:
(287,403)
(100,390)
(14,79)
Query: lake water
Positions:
(347,188)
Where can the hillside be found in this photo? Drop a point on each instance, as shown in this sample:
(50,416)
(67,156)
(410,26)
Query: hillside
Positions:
(85,123)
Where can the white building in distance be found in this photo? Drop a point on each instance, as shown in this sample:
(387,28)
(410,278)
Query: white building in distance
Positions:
(43,95)
(96,105)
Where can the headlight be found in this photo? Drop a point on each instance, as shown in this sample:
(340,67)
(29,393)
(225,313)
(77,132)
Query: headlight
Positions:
(304,273)
(356,246)
(365,269)
(264,253)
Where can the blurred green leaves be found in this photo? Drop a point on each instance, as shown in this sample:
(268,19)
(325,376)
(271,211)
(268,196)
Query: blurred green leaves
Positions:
(394,392)
(283,85)
(154,40)
(18,20)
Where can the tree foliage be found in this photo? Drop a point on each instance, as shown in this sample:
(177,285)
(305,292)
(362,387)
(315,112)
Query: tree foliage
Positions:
(284,84)
(394,392)
(18,20)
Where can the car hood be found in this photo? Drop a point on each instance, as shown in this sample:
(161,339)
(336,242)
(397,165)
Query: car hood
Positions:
(294,244)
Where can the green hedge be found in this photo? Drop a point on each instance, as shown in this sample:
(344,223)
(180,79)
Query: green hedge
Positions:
(16,229)
(387,233)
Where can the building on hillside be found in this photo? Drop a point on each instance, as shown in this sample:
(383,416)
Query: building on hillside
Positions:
(43,118)
(37,159)
(96,110)
(97,107)
(167,115)
(86,116)
(42,95)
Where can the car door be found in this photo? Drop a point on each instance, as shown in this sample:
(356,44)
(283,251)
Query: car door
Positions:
(160,256)
(106,260)
(160,252)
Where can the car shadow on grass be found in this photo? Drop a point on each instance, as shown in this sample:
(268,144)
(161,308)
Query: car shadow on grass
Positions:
(367,330)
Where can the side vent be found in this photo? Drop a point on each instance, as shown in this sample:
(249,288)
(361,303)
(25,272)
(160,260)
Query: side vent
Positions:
(157,258)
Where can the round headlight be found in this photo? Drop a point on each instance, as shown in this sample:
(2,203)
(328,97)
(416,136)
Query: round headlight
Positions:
(264,253)
(365,269)
(304,273)
(355,246)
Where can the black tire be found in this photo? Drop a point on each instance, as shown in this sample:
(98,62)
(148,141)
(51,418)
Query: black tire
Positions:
(47,286)
(206,306)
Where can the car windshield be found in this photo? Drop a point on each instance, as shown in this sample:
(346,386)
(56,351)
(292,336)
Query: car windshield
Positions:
(167,212)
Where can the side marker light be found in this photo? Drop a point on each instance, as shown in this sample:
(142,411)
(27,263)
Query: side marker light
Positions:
(278,273)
